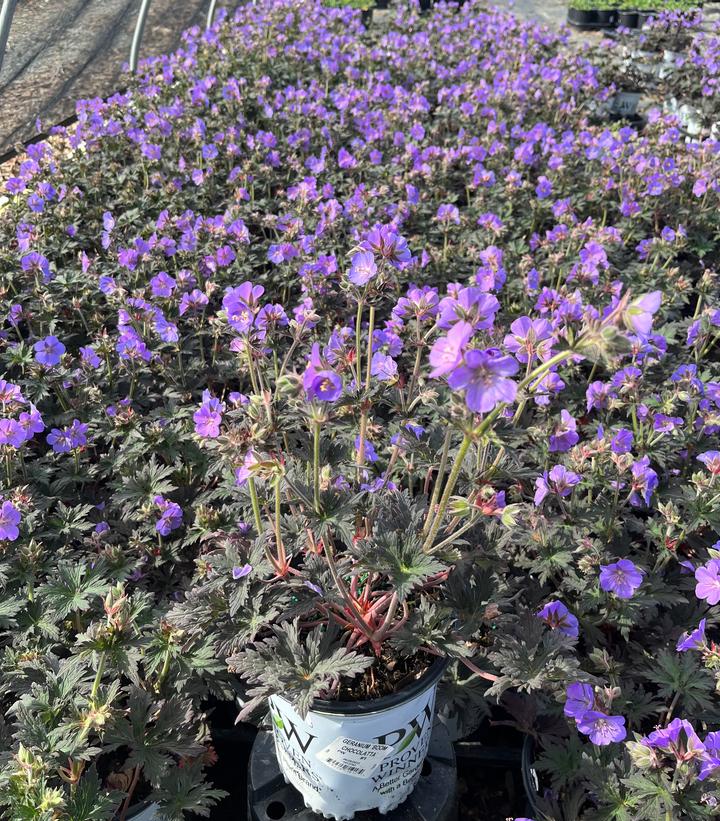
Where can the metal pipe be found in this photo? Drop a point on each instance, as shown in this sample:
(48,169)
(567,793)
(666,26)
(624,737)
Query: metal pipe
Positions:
(6,16)
(138,35)
(211,14)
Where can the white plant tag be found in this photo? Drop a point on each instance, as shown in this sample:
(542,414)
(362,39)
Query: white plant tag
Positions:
(357,758)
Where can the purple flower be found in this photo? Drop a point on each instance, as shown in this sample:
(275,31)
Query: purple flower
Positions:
(529,339)
(368,450)
(162,284)
(387,243)
(383,367)
(711,460)
(240,572)
(11,433)
(692,640)
(598,395)
(31,422)
(483,376)
(639,313)
(447,352)
(196,300)
(9,521)
(679,738)
(208,417)
(708,581)
(644,482)
(559,481)
(602,729)
(580,699)
(621,578)
(362,268)
(622,442)
(314,587)
(558,617)
(544,188)
(170,516)
(471,305)
(89,357)
(60,440)
(447,213)
(49,351)
(565,435)
(242,474)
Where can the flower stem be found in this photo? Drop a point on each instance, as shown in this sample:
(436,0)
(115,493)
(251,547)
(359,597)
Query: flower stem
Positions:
(316,466)
(98,678)
(255,505)
(449,487)
(438,482)
(358,350)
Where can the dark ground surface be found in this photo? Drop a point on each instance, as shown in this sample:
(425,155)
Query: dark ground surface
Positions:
(63,50)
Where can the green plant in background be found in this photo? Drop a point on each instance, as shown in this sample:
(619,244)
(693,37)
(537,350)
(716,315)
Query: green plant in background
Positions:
(363,5)
(583,5)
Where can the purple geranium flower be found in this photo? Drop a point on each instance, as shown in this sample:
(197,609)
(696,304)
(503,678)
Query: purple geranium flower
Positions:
(621,578)
(711,460)
(580,699)
(362,268)
(170,516)
(565,435)
(484,378)
(49,351)
(208,417)
(622,441)
(559,481)
(447,352)
(383,367)
(693,639)
(679,737)
(240,572)
(602,729)
(639,313)
(708,581)
(644,482)
(558,617)
(9,521)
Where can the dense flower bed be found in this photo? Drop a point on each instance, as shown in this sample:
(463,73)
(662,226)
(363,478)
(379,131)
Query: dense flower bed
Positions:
(289,204)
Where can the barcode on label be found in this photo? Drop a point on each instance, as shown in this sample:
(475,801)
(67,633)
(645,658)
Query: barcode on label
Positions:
(353,757)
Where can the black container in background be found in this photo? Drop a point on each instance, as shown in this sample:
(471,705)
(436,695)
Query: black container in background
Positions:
(582,19)
(628,19)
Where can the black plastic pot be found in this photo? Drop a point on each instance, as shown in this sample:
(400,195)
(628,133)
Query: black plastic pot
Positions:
(582,20)
(628,19)
(382,4)
(366,17)
(644,16)
(607,18)
(426,5)
(529,776)
(433,799)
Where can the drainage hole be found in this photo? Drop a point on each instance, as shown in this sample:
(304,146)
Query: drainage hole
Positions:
(427,768)
(275,810)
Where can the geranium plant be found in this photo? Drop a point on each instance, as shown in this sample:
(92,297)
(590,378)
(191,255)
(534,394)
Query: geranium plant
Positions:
(328,353)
